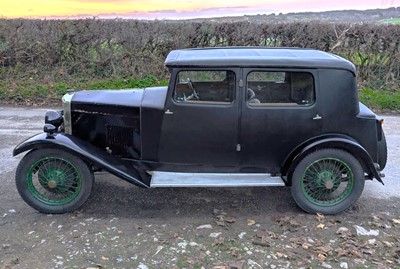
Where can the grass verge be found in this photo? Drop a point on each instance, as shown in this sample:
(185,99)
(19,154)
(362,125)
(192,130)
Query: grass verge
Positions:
(31,92)
(383,100)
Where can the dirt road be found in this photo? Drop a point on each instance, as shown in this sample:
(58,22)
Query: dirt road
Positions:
(122,226)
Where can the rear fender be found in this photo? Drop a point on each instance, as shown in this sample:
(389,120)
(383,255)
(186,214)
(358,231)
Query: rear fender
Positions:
(129,171)
(332,141)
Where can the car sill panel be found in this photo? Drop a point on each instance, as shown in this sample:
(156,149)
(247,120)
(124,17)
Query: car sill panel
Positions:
(172,179)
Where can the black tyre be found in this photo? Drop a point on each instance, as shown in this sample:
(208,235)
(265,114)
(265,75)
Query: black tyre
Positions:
(53,181)
(327,181)
(382,152)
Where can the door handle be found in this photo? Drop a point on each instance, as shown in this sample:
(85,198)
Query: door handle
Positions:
(317,117)
(169,112)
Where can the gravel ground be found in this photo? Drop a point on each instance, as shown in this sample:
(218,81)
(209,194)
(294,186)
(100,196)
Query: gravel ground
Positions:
(122,226)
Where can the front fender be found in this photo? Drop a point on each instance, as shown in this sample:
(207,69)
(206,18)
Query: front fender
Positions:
(128,171)
(332,141)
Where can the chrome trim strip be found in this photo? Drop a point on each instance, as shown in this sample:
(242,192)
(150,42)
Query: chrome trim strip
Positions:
(172,179)
(66,100)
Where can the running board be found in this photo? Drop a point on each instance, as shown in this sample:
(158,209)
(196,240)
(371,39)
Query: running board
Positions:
(171,179)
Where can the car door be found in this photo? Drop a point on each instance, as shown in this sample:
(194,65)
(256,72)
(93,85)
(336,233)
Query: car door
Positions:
(280,111)
(200,125)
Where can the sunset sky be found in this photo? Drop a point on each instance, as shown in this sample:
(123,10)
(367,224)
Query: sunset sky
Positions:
(174,9)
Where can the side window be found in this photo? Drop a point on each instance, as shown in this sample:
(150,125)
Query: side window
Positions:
(266,88)
(202,86)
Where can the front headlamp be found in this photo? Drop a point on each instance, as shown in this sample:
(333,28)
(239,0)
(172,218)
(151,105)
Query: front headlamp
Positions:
(54,118)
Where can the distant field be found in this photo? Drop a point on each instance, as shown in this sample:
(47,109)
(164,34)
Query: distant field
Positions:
(395,21)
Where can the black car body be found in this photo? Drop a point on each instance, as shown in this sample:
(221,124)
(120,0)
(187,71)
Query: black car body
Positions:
(235,116)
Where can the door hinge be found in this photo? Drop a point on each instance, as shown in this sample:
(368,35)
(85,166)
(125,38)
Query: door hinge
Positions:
(238,147)
(241,83)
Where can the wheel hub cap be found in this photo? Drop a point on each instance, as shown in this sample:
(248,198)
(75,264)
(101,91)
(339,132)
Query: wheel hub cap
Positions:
(55,178)
(329,184)
(52,184)
(326,178)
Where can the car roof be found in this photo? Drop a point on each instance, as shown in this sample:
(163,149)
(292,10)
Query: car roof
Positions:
(256,57)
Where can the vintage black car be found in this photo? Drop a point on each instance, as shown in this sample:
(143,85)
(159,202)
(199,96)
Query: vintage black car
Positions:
(232,116)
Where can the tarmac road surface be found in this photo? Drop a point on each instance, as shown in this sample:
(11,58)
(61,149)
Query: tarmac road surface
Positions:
(123,226)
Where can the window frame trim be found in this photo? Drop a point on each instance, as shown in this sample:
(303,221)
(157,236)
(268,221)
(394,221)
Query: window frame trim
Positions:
(235,71)
(312,72)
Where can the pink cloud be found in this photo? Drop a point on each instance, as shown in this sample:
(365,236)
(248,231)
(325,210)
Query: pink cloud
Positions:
(173,13)
(327,5)
(221,11)
(98,1)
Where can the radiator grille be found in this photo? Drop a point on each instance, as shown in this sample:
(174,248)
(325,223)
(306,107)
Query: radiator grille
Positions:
(119,135)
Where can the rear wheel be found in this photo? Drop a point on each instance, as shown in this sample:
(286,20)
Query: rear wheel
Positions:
(53,180)
(382,152)
(327,181)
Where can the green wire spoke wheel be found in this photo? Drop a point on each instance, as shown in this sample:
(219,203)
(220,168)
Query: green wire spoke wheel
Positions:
(53,181)
(327,181)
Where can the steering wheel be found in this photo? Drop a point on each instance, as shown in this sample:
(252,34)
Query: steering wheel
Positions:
(194,93)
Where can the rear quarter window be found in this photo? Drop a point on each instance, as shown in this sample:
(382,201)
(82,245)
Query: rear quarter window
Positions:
(275,88)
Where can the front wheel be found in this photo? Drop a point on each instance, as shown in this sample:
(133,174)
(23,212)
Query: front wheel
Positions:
(327,181)
(53,181)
